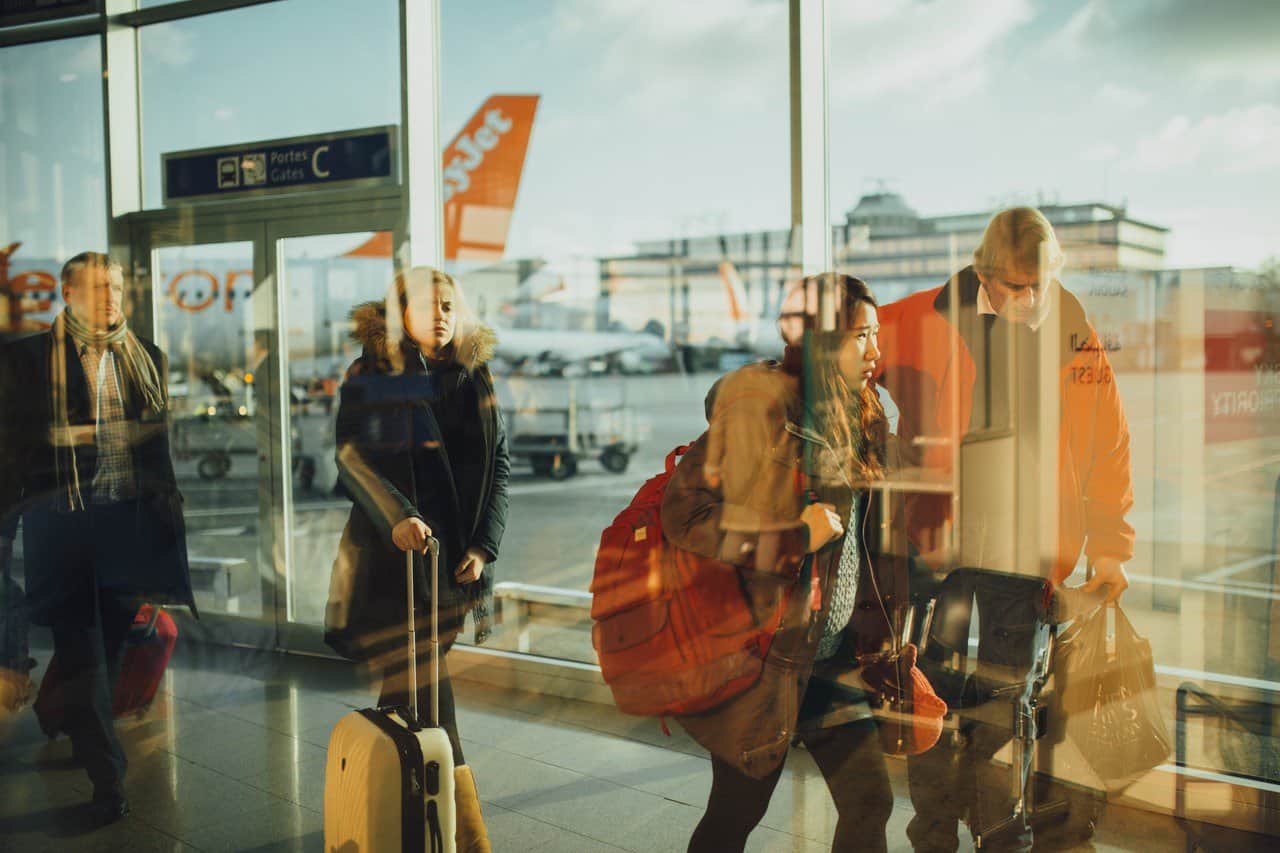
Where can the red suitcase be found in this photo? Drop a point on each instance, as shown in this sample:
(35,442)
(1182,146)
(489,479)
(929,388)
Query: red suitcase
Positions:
(147,652)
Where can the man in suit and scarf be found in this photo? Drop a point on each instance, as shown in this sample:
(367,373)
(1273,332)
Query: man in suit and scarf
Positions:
(84,461)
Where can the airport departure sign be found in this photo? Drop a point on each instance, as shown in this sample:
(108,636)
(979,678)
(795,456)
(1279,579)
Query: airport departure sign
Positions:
(353,158)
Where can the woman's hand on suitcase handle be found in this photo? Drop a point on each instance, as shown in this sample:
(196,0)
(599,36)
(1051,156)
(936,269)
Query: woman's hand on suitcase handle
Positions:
(411,534)
(471,567)
(823,523)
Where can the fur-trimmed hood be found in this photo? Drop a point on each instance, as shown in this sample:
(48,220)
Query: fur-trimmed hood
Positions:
(369,328)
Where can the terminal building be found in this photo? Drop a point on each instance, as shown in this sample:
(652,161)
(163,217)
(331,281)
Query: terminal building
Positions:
(882,240)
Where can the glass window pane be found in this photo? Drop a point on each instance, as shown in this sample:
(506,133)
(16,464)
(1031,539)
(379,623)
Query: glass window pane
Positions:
(654,132)
(1152,157)
(219,416)
(265,72)
(324,277)
(52,173)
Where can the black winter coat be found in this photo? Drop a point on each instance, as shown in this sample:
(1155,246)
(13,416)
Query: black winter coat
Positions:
(28,482)
(393,464)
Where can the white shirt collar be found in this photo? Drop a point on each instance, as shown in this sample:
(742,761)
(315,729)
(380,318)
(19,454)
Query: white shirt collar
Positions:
(985,309)
(984,302)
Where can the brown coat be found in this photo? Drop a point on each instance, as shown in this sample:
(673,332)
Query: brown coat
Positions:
(752,520)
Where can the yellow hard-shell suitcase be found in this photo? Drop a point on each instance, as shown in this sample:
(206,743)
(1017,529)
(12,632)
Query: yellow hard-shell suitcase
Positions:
(388,783)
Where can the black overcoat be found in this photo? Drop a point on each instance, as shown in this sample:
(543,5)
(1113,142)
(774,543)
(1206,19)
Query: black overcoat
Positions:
(29,484)
(393,464)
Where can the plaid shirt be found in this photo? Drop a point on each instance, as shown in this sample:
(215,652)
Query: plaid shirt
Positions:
(113,479)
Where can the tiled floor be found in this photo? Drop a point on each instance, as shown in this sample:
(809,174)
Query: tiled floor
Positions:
(231,757)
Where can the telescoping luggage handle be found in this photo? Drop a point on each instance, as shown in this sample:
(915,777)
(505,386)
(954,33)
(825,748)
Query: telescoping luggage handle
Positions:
(433,549)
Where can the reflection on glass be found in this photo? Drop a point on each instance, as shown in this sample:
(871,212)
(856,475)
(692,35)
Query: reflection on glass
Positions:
(1169,243)
(204,318)
(52,173)
(605,276)
(324,278)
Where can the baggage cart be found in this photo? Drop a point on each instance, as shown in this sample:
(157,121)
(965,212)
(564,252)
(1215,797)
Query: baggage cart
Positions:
(556,435)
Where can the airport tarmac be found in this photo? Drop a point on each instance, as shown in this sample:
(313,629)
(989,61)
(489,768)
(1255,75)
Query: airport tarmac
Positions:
(553,526)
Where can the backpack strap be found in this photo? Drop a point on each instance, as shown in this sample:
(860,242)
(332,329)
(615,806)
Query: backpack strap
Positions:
(674,455)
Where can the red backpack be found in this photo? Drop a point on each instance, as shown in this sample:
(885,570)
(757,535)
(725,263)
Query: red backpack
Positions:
(673,630)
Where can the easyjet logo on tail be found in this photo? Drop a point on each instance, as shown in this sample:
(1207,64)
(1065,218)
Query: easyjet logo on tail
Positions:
(482,168)
(471,150)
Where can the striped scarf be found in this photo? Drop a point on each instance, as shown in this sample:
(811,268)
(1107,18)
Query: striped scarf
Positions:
(139,373)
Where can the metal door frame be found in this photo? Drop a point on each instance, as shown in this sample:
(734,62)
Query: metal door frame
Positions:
(264,223)
(290,635)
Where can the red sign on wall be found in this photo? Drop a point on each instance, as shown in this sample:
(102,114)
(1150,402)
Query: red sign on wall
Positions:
(1242,375)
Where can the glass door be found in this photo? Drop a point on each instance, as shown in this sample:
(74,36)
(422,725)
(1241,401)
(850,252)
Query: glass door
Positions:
(325,268)
(322,279)
(253,313)
(212,315)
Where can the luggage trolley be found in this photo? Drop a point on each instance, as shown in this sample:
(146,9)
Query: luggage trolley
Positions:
(1002,696)
(554,439)
(213,438)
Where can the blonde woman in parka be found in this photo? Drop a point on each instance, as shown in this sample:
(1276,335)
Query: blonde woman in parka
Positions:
(422,451)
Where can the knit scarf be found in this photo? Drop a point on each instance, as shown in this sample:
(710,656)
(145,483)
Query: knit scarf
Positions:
(139,373)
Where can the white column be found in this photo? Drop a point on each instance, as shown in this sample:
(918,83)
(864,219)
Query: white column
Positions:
(809,206)
(121,111)
(122,141)
(420,133)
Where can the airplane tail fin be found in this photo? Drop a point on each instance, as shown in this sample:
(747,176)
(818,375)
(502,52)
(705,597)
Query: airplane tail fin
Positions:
(735,293)
(482,169)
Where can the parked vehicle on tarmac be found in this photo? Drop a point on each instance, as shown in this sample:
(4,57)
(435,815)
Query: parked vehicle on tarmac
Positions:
(555,424)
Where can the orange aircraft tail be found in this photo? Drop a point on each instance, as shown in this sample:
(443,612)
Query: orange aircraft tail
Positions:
(735,293)
(482,168)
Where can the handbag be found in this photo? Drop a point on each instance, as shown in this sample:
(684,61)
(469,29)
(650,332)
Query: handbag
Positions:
(908,711)
(1107,694)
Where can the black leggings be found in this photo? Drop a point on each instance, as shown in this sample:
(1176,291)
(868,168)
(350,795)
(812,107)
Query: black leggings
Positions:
(851,762)
(395,691)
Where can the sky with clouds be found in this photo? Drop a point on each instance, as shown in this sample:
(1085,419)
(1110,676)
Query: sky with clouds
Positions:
(659,118)
(666,118)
